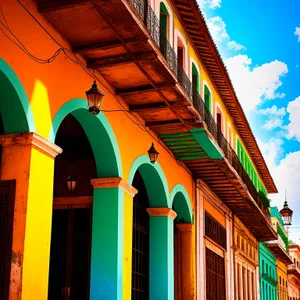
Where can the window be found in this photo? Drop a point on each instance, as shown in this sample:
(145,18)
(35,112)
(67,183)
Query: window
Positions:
(195,78)
(219,120)
(215,231)
(207,97)
(164,26)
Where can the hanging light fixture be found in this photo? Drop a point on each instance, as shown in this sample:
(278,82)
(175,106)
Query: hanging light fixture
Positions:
(286,213)
(71,183)
(95,98)
(153,154)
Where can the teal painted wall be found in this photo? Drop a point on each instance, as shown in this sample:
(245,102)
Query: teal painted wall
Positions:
(107,244)
(267,273)
(161,258)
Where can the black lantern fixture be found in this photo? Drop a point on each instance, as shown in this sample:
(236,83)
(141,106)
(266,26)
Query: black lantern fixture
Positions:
(286,213)
(95,98)
(71,183)
(153,154)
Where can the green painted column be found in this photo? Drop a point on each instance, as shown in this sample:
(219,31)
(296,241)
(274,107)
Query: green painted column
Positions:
(161,253)
(107,239)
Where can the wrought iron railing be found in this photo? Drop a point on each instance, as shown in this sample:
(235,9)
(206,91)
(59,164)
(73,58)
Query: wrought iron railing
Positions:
(152,23)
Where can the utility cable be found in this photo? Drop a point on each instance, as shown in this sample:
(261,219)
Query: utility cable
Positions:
(68,53)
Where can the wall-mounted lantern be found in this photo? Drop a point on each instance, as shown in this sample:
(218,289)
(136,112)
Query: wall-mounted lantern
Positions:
(153,154)
(95,98)
(286,214)
(71,183)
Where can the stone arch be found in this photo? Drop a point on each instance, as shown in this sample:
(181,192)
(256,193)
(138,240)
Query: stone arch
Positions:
(182,204)
(154,179)
(15,109)
(99,133)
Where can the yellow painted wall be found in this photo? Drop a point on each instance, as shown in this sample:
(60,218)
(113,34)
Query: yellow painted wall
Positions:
(282,279)
(38,227)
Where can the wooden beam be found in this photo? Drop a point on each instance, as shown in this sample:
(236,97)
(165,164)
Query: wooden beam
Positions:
(162,123)
(146,107)
(143,89)
(52,6)
(106,45)
(118,60)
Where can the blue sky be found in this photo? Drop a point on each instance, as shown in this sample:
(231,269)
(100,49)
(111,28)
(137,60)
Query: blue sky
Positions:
(260,45)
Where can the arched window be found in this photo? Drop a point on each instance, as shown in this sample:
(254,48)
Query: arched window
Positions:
(219,119)
(207,97)
(164,19)
(195,78)
(181,53)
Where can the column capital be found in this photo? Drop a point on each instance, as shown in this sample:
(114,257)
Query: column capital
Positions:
(161,212)
(111,182)
(30,138)
(184,226)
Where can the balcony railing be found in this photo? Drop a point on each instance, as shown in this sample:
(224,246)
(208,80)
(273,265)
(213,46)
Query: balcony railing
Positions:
(152,23)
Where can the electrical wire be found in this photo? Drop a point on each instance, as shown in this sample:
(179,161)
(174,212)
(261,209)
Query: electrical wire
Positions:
(74,58)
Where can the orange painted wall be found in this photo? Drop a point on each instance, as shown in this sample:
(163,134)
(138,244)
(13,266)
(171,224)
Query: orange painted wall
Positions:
(49,86)
(215,213)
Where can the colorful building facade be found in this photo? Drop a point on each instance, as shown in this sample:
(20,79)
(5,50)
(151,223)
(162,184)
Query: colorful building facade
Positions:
(280,250)
(246,262)
(268,273)
(294,273)
(88,215)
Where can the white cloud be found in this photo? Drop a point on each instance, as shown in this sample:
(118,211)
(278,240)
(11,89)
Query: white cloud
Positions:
(275,117)
(272,124)
(286,176)
(217,28)
(215,4)
(297,33)
(254,85)
(273,111)
(294,111)
(211,3)
(233,45)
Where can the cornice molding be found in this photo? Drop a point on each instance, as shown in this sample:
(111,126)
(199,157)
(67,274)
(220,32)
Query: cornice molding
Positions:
(31,138)
(161,212)
(113,182)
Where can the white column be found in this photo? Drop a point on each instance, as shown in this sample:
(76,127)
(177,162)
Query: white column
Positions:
(229,256)
(241,283)
(250,285)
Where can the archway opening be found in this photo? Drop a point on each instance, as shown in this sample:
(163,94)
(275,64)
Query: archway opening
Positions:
(140,241)
(157,263)
(181,206)
(14,111)
(181,53)
(72,214)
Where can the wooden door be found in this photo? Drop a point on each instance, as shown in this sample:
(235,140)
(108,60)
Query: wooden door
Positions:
(215,276)
(70,252)
(7,202)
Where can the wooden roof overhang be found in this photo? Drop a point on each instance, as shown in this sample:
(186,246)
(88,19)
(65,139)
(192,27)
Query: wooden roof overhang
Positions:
(195,25)
(121,50)
(293,270)
(113,40)
(279,252)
